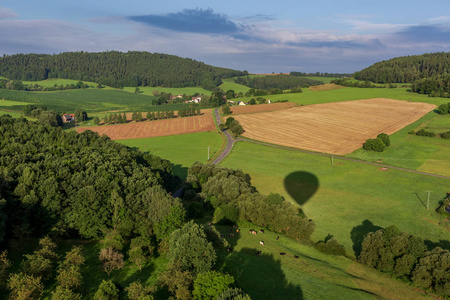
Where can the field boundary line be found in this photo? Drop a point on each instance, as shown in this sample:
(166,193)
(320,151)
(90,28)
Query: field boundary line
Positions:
(343,158)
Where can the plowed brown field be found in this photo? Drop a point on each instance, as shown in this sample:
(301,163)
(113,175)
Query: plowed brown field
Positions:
(335,128)
(247,109)
(326,87)
(155,128)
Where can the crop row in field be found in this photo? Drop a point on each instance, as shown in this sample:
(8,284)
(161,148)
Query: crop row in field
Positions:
(155,128)
(336,128)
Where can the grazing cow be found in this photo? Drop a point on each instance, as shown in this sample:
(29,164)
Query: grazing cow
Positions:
(282,253)
(295,256)
(261,231)
(261,243)
(258,253)
(254,232)
(278,237)
(251,231)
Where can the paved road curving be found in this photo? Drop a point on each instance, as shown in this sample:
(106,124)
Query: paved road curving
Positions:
(230,141)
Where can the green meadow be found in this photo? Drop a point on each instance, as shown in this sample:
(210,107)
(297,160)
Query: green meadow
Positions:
(182,150)
(91,100)
(428,154)
(348,197)
(148,90)
(58,81)
(309,97)
(228,84)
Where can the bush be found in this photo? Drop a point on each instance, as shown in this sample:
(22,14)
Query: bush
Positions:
(385,138)
(331,246)
(374,145)
(423,132)
(444,109)
(446,135)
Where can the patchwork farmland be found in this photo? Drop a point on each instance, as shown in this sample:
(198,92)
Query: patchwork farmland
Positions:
(155,128)
(335,128)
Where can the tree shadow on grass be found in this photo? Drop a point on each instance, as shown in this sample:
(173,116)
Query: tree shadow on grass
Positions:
(260,276)
(301,186)
(359,233)
(444,244)
(180,171)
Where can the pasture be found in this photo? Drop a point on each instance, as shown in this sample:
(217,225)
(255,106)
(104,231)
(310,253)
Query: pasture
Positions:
(350,197)
(313,275)
(91,100)
(309,97)
(416,152)
(229,84)
(136,130)
(182,150)
(335,128)
(148,90)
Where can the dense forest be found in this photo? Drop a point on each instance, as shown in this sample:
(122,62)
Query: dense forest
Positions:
(283,82)
(407,69)
(115,69)
(436,86)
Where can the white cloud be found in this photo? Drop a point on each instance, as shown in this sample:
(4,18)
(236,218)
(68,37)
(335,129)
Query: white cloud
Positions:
(6,13)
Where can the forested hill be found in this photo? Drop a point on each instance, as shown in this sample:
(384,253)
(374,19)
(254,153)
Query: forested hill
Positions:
(115,69)
(407,69)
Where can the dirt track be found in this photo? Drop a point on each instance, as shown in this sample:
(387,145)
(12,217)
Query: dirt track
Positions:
(335,128)
(146,129)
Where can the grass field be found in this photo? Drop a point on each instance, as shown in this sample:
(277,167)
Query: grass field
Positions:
(148,90)
(229,84)
(59,81)
(349,196)
(8,103)
(416,152)
(309,97)
(91,100)
(182,150)
(313,275)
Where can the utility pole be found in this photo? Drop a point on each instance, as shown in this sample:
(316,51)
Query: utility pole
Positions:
(428,201)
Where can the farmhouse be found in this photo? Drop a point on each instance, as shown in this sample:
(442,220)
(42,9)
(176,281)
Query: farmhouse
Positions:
(241,103)
(196,99)
(68,118)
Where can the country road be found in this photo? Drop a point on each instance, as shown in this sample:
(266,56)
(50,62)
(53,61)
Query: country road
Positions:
(229,145)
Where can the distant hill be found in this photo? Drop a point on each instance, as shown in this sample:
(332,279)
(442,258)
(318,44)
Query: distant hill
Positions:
(407,69)
(116,69)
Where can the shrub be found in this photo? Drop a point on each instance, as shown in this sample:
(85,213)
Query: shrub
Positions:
(423,132)
(444,109)
(330,246)
(385,138)
(374,145)
(445,135)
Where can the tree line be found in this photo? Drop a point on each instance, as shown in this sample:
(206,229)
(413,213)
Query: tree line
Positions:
(406,69)
(405,256)
(276,82)
(116,69)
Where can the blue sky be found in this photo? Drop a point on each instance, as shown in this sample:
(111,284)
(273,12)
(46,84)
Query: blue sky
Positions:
(258,36)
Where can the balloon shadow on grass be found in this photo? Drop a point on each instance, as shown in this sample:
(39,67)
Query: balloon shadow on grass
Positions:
(301,186)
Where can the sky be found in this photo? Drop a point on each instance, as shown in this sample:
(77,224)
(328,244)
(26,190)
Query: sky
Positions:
(258,36)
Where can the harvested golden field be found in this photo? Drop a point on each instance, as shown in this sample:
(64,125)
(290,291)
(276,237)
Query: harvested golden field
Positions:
(248,109)
(326,87)
(335,128)
(155,128)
